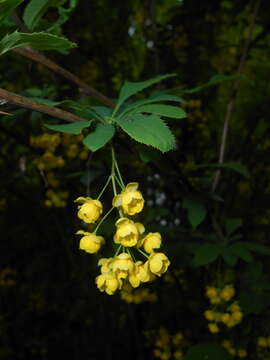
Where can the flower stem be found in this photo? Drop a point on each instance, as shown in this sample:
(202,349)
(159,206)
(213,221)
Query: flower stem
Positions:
(118,250)
(101,221)
(117,168)
(143,253)
(104,188)
(130,254)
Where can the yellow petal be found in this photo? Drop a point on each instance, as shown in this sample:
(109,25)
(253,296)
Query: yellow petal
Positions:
(132,186)
(140,227)
(81,199)
(122,221)
(117,200)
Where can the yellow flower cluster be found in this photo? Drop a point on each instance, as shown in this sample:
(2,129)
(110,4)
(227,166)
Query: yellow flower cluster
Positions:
(239,352)
(46,141)
(137,296)
(7,277)
(49,161)
(230,315)
(216,296)
(263,342)
(169,346)
(122,268)
(56,198)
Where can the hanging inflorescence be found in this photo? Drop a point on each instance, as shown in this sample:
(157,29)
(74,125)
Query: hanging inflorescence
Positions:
(122,269)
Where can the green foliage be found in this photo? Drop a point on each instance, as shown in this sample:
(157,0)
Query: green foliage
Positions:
(99,137)
(196,211)
(207,351)
(74,128)
(7,6)
(34,11)
(39,41)
(206,254)
(161,110)
(235,166)
(214,80)
(149,130)
(231,225)
(132,88)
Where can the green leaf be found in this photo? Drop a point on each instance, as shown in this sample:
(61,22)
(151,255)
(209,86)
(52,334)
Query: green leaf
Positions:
(99,137)
(64,14)
(214,80)
(236,166)
(74,128)
(207,352)
(240,250)
(149,130)
(261,249)
(33,12)
(102,111)
(147,154)
(231,225)
(40,41)
(206,254)
(229,257)
(131,88)
(196,211)
(251,302)
(163,110)
(157,96)
(7,7)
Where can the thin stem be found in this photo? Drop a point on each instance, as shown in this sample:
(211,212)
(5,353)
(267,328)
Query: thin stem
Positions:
(38,57)
(104,188)
(115,110)
(104,217)
(117,168)
(26,103)
(232,101)
(131,254)
(143,253)
(118,250)
(113,174)
(119,183)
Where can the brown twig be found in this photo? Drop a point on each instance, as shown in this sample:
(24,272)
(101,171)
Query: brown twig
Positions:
(23,102)
(231,103)
(38,57)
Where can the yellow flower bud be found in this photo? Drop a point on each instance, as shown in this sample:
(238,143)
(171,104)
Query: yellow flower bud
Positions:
(237,316)
(178,355)
(144,273)
(151,241)
(122,265)
(90,243)
(106,265)
(262,341)
(108,282)
(242,353)
(177,338)
(90,210)
(234,307)
(130,199)
(213,328)
(226,343)
(232,351)
(209,315)
(158,263)
(215,300)
(134,278)
(227,293)
(127,232)
(225,318)
(211,292)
